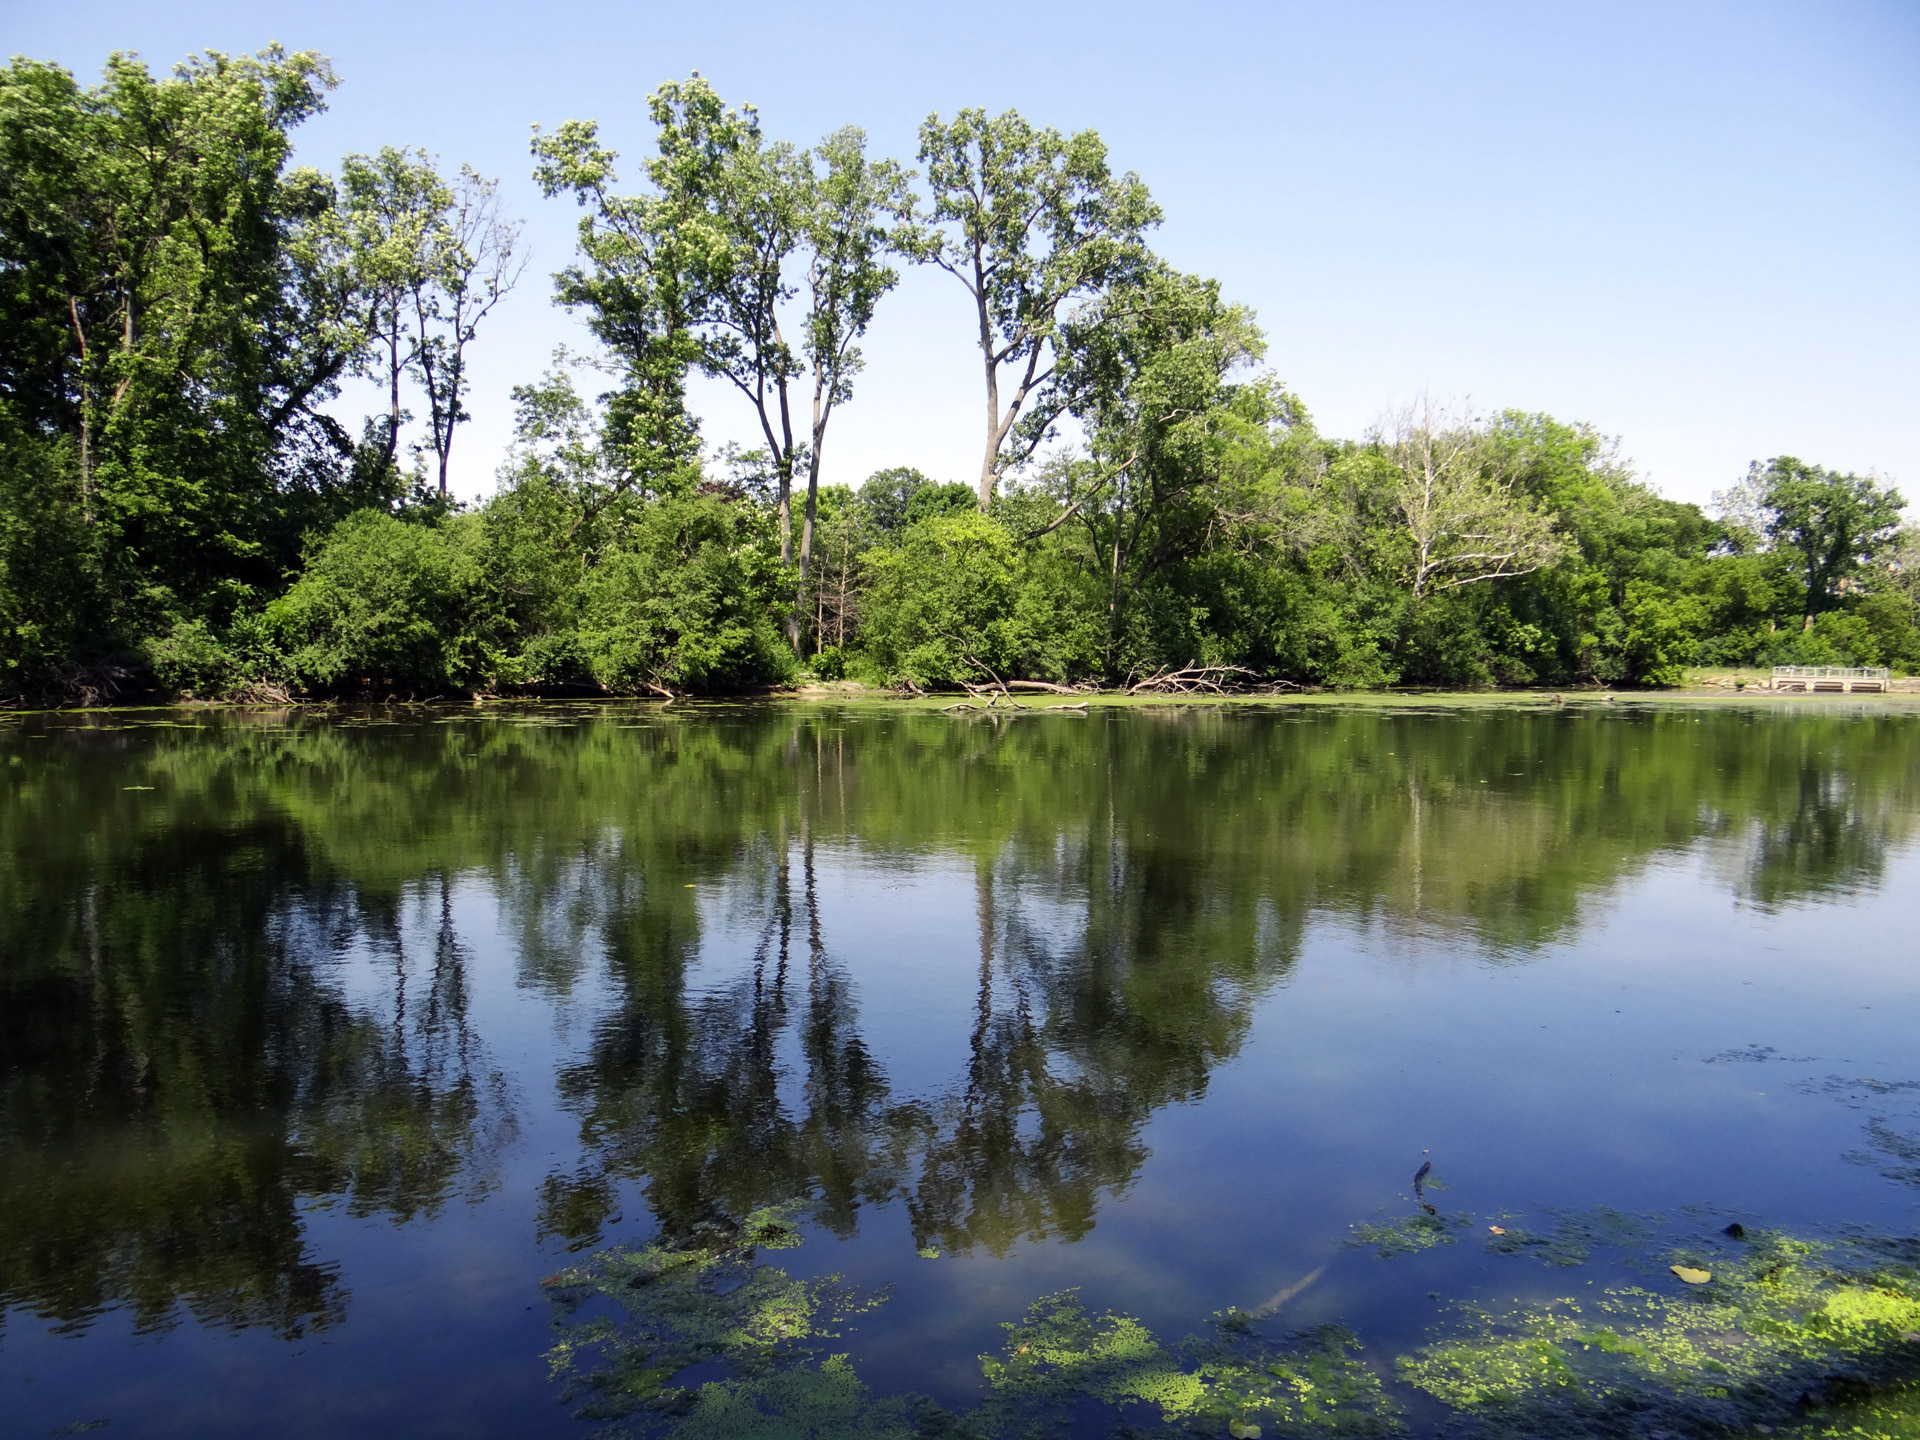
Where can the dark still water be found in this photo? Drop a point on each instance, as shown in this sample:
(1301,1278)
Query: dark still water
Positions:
(800,1071)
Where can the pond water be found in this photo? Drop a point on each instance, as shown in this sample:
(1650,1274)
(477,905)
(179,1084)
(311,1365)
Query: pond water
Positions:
(522,1071)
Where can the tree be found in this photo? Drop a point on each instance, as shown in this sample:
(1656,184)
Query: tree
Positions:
(757,195)
(173,326)
(1035,220)
(470,267)
(560,443)
(960,600)
(886,494)
(650,265)
(858,211)
(1467,521)
(1833,525)
(390,205)
(760,206)
(1146,371)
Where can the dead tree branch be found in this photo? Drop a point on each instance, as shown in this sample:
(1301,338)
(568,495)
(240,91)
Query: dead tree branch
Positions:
(1190,680)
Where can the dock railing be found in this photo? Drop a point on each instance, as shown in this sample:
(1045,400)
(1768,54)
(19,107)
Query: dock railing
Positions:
(1833,679)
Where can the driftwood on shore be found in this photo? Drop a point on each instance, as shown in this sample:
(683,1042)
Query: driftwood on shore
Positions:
(1204,680)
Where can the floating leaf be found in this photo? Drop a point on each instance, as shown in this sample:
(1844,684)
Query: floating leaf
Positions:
(1243,1430)
(1498,1229)
(1689,1274)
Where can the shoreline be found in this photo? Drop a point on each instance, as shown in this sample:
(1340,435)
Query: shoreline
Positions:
(1904,696)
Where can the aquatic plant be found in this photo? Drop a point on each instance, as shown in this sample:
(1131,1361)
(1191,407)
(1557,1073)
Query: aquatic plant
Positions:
(1734,1331)
(1573,1239)
(1784,1328)
(1409,1234)
(705,1299)
(806,1402)
(1060,1355)
(708,1299)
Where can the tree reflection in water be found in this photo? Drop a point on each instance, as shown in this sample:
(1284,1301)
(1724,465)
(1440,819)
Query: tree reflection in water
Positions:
(243,992)
(1190,853)
(182,1069)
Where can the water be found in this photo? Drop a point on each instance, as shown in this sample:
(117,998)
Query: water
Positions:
(323,1042)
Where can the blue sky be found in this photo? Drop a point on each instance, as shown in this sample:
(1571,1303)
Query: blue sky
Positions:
(1694,225)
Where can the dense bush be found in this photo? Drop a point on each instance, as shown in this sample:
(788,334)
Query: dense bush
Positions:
(957,599)
(686,603)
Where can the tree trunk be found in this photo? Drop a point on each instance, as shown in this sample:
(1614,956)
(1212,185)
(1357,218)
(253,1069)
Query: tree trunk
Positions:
(821,413)
(990,461)
(783,472)
(393,407)
(86,416)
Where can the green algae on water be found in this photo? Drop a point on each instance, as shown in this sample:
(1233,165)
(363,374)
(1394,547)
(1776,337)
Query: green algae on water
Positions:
(1574,1237)
(1409,1234)
(1785,1329)
(1808,1340)
(711,1301)
(707,1300)
(1060,1354)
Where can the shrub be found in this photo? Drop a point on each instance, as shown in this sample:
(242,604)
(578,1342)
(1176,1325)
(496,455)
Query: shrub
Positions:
(685,603)
(389,604)
(957,598)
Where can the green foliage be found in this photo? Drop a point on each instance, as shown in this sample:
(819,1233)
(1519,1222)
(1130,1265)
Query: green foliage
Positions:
(172,336)
(385,604)
(679,598)
(1035,220)
(959,601)
(683,603)
(1832,526)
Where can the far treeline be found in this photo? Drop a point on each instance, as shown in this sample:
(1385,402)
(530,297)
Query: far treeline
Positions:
(183,510)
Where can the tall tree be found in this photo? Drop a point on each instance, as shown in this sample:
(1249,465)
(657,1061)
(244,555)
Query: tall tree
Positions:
(761,195)
(859,213)
(470,266)
(170,322)
(1034,220)
(1832,525)
(391,205)
(771,209)
(1148,371)
(649,265)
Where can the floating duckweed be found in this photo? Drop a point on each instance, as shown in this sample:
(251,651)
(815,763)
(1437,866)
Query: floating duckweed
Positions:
(1574,1237)
(706,1300)
(1804,1341)
(1782,1330)
(804,1402)
(1891,1417)
(1408,1235)
(1893,1154)
(1060,1352)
